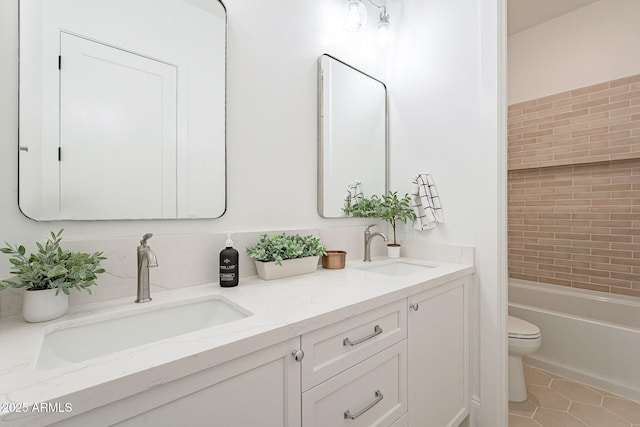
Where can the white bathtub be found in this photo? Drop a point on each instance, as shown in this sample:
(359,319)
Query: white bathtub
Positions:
(588,336)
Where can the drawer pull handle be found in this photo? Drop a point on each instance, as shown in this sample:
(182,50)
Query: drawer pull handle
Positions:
(377,330)
(349,415)
(415,306)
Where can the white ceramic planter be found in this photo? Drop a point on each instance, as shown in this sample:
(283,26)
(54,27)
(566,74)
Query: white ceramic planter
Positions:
(43,305)
(393,251)
(289,267)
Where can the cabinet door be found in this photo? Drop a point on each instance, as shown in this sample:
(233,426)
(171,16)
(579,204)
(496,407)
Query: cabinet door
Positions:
(439,356)
(259,389)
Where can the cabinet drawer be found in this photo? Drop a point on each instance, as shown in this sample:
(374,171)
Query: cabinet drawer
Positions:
(372,393)
(335,348)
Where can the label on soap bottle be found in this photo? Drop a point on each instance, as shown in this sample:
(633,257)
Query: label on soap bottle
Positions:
(227,271)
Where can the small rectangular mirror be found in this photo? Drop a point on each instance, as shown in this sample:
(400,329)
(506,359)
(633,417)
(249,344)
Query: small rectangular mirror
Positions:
(352,131)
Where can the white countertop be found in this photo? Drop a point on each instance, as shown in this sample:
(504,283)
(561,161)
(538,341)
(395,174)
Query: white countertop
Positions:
(282,309)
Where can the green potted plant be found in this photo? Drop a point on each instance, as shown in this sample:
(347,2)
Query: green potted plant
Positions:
(283,255)
(389,208)
(48,275)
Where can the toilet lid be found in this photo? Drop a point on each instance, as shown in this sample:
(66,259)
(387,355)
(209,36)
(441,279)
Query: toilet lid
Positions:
(519,328)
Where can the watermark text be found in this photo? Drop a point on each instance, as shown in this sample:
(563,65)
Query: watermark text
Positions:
(42,407)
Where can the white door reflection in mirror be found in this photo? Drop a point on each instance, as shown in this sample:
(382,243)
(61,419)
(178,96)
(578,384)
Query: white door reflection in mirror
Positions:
(352,134)
(117,109)
(122,109)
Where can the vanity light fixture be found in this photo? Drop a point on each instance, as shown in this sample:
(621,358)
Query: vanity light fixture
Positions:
(355,15)
(355,18)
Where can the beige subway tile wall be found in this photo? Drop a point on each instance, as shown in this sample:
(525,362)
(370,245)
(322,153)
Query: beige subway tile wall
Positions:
(593,124)
(574,188)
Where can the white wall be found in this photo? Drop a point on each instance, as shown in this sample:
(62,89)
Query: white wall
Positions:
(447,110)
(443,70)
(593,44)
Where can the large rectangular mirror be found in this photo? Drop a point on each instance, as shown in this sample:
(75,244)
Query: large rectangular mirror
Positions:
(122,109)
(352,128)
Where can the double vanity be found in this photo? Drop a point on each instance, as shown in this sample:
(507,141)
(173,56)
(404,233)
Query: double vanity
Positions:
(380,343)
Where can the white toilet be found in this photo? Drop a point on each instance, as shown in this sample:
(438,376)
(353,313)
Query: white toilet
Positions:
(524,338)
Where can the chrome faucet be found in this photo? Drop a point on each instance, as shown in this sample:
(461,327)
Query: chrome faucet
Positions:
(368,236)
(146,259)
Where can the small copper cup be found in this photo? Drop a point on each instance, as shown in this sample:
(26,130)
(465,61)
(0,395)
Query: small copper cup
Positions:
(334,260)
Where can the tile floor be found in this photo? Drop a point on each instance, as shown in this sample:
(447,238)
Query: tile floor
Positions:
(555,401)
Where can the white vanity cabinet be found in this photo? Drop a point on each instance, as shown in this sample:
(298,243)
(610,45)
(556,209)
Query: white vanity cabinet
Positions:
(354,372)
(402,364)
(258,389)
(408,368)
(439,355)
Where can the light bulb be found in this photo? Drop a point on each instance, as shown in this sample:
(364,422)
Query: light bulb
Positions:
(355,15)
(383,29)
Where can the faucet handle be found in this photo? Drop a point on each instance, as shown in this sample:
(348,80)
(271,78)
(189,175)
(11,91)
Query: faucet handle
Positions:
(369,226)
(146,237)
(152,259)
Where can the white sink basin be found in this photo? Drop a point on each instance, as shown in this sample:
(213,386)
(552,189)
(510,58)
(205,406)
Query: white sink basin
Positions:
(396,268)
(78,343)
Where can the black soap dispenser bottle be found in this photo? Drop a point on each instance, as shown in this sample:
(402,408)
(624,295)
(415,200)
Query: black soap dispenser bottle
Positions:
(228,265)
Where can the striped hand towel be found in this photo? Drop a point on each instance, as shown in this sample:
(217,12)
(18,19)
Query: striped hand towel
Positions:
(425,202)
